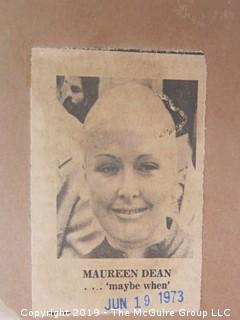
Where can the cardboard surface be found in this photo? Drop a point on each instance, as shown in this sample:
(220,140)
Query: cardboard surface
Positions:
(212,27)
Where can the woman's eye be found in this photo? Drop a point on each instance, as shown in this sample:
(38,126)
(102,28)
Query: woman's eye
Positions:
(148,167)
(108,169)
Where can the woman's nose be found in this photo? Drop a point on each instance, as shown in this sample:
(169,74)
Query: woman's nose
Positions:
(129,188)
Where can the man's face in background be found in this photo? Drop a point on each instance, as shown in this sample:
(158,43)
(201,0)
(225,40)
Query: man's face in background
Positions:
(71,94)
(77,94)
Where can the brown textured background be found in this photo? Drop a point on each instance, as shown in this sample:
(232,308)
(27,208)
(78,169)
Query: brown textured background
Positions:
(211,26)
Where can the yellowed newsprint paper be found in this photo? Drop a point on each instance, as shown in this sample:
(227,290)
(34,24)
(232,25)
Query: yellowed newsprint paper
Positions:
(117,154)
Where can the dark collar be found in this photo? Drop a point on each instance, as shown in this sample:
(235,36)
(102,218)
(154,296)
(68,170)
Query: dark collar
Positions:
(175,245)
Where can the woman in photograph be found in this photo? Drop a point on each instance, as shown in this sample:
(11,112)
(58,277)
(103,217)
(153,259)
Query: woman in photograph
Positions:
(132,178)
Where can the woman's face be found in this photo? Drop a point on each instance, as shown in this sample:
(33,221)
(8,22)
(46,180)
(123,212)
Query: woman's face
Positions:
(131,177)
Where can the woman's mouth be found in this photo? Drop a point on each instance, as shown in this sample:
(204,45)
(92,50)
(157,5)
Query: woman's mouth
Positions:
(130,213)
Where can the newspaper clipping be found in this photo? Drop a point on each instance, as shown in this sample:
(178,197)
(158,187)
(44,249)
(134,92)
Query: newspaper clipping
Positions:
(117,154)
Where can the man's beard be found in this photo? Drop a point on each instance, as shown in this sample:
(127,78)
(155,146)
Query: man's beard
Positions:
(78,110)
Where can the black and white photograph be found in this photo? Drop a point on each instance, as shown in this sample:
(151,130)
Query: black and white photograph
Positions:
(138,144)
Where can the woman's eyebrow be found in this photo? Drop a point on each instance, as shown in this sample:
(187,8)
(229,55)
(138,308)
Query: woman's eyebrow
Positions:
(107,155)
(147,155)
